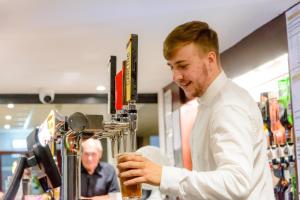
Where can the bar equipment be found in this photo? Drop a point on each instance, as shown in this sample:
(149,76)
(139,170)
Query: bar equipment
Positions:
(120,129)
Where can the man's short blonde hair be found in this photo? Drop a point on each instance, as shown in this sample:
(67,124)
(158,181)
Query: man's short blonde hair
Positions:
(196,32)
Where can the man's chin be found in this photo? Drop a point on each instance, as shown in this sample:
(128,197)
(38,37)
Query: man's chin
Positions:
(189,95)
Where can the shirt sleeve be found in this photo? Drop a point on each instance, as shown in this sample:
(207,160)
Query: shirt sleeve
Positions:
(230,141)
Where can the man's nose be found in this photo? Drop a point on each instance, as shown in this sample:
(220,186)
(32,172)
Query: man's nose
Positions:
(177,76)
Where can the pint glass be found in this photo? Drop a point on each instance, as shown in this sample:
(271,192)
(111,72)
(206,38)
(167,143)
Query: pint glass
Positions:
(132,192)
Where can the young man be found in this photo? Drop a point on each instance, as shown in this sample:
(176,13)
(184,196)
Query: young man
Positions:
(227,143)
(97,178)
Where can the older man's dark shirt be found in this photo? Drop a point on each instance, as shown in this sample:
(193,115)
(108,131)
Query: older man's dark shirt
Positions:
(101,182)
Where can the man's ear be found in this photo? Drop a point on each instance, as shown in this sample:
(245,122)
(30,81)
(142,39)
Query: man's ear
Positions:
(212,57)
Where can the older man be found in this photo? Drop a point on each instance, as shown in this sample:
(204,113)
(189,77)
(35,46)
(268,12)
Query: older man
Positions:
(97,178)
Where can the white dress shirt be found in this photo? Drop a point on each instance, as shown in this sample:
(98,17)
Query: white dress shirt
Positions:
(228,149)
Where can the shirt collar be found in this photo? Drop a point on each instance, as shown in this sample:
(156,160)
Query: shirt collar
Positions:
(98,169)
(213,89)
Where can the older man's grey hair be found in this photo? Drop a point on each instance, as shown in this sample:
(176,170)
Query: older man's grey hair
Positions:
(95,142)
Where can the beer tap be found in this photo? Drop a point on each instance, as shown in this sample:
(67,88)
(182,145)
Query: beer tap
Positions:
(121,129)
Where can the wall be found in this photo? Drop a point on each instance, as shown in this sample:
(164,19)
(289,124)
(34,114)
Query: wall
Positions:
(265,44)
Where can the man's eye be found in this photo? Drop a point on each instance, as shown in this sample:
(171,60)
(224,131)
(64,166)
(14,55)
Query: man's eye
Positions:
(182,66)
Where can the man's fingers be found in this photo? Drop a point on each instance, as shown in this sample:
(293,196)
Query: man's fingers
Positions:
(130,165)
(131,173)
(135,181)
(130,157)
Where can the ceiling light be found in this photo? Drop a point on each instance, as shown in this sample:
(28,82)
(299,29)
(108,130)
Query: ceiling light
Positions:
(8,117)
(10,105)
(7,126)
(100,88)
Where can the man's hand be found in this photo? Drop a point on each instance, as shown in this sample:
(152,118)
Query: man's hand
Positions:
(138,169)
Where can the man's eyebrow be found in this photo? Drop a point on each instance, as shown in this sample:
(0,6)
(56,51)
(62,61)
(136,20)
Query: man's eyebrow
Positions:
(178,62)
